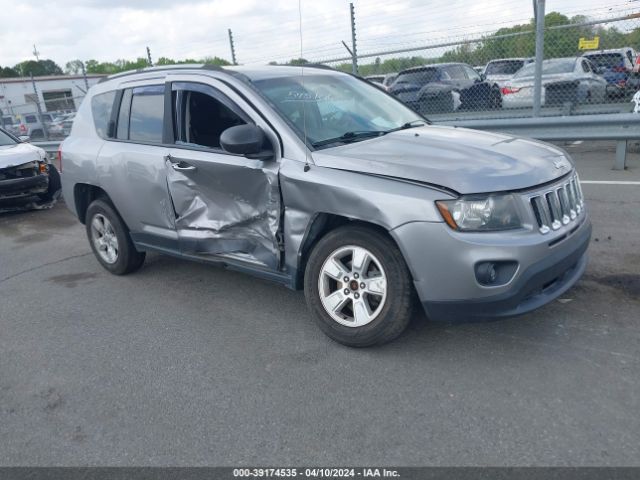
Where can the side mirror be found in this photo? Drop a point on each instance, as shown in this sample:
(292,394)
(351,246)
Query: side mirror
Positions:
(483,77)
(247,140)
(24,138)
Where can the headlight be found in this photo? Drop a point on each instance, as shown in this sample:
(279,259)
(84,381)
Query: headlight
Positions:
(493,212)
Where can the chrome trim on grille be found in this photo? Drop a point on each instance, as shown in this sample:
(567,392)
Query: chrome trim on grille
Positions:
(557,205)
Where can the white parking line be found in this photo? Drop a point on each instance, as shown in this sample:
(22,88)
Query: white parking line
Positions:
(606,182)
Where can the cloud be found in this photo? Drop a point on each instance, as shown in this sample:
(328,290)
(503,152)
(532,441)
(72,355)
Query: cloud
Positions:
(263,30)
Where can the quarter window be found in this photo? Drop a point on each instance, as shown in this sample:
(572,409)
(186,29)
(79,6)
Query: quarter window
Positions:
(101,106)
(147,112)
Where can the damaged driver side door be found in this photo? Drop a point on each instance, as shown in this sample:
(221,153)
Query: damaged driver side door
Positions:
(226,205)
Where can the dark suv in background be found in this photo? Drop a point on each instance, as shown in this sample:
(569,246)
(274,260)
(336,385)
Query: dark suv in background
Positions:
(445,87)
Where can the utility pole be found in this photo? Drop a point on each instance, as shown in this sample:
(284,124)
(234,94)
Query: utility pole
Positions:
(537,78)
(354,51)
(36,53)
(84,75)
(233,48)
(149,57)
(45,131)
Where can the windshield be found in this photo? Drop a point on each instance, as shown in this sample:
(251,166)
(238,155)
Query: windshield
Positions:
(419,76)
(504,67)
(549,67)
(606,59)
(330,106)
(6,139)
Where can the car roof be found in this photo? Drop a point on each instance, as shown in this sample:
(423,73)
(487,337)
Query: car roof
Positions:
(610,50)
(259,72)
(509,59)
(432,65)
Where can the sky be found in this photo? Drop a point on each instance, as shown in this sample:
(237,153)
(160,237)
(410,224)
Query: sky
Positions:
(263,31)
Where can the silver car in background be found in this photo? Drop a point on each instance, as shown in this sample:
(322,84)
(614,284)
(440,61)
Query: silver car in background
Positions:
(502,70)
(570,79)
(321,181)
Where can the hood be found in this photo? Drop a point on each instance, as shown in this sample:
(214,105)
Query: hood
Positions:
(460,159)
(12,155)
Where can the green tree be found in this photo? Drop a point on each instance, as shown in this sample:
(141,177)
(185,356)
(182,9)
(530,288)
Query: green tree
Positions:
(74,67)
(8,72)
(38,68)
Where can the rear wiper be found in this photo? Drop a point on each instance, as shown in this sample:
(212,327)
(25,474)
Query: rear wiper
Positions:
(348,137)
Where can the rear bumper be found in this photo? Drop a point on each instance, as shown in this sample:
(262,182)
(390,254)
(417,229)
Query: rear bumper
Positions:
(19,188)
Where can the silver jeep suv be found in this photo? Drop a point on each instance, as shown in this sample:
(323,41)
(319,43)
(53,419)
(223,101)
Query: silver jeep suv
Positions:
(316,179)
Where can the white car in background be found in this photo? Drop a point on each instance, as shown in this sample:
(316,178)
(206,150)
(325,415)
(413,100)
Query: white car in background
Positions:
(503,69)
(569,79)
(384,80)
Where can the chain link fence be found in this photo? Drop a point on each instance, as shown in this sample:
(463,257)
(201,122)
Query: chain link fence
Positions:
(38,123)
(587,62)
(588,66)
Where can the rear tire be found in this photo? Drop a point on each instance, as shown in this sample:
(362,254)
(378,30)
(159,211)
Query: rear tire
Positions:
(110,240)
(379,302)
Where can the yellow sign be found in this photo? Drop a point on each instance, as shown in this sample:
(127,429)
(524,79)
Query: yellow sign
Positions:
(585,44)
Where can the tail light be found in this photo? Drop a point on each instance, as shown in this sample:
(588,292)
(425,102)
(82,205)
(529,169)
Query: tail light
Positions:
(23,128)
(509,90)
(59,158)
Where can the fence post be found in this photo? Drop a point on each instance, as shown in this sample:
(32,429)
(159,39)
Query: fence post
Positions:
(537,82)
(233,48)
(84,76)
(621,155)
(354,51)
(45,131)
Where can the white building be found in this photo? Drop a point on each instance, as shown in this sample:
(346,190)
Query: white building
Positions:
(55,93)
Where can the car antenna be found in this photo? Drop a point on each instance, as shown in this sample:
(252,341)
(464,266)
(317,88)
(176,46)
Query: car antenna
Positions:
(307,166)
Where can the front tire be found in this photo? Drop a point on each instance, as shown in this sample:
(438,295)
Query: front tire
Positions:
(110,241)
(358,287)
(54,185)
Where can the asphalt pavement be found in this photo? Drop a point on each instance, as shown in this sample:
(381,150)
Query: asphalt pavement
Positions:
(186,364)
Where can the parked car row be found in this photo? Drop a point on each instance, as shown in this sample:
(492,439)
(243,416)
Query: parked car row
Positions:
(56,124)
(594,77)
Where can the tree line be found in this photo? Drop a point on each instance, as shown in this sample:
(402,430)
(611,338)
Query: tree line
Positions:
(39,68)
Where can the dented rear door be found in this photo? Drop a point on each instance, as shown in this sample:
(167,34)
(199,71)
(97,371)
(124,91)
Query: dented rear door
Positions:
(225,205)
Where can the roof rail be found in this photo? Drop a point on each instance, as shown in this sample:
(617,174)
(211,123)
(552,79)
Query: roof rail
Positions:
(308,65)
(181,66)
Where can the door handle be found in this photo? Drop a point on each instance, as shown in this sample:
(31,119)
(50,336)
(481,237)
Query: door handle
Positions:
(183,167)
(179,165)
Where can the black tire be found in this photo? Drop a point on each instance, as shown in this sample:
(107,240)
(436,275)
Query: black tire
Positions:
(496,99)
(397,309)
(128,259)
(54,185)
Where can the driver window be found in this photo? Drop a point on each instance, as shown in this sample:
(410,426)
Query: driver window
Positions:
(201,118)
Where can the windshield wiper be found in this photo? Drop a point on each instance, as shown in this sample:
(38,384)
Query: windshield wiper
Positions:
(349,137)
(412,124)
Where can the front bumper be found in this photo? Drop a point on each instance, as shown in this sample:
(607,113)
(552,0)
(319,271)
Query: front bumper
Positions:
(442,263)
(21,188)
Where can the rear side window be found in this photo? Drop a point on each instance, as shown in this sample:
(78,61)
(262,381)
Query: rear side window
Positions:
(30,119)
(147,112)
(101,106)
(419,76)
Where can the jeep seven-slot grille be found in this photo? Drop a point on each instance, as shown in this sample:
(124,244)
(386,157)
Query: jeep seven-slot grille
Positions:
(560,205)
